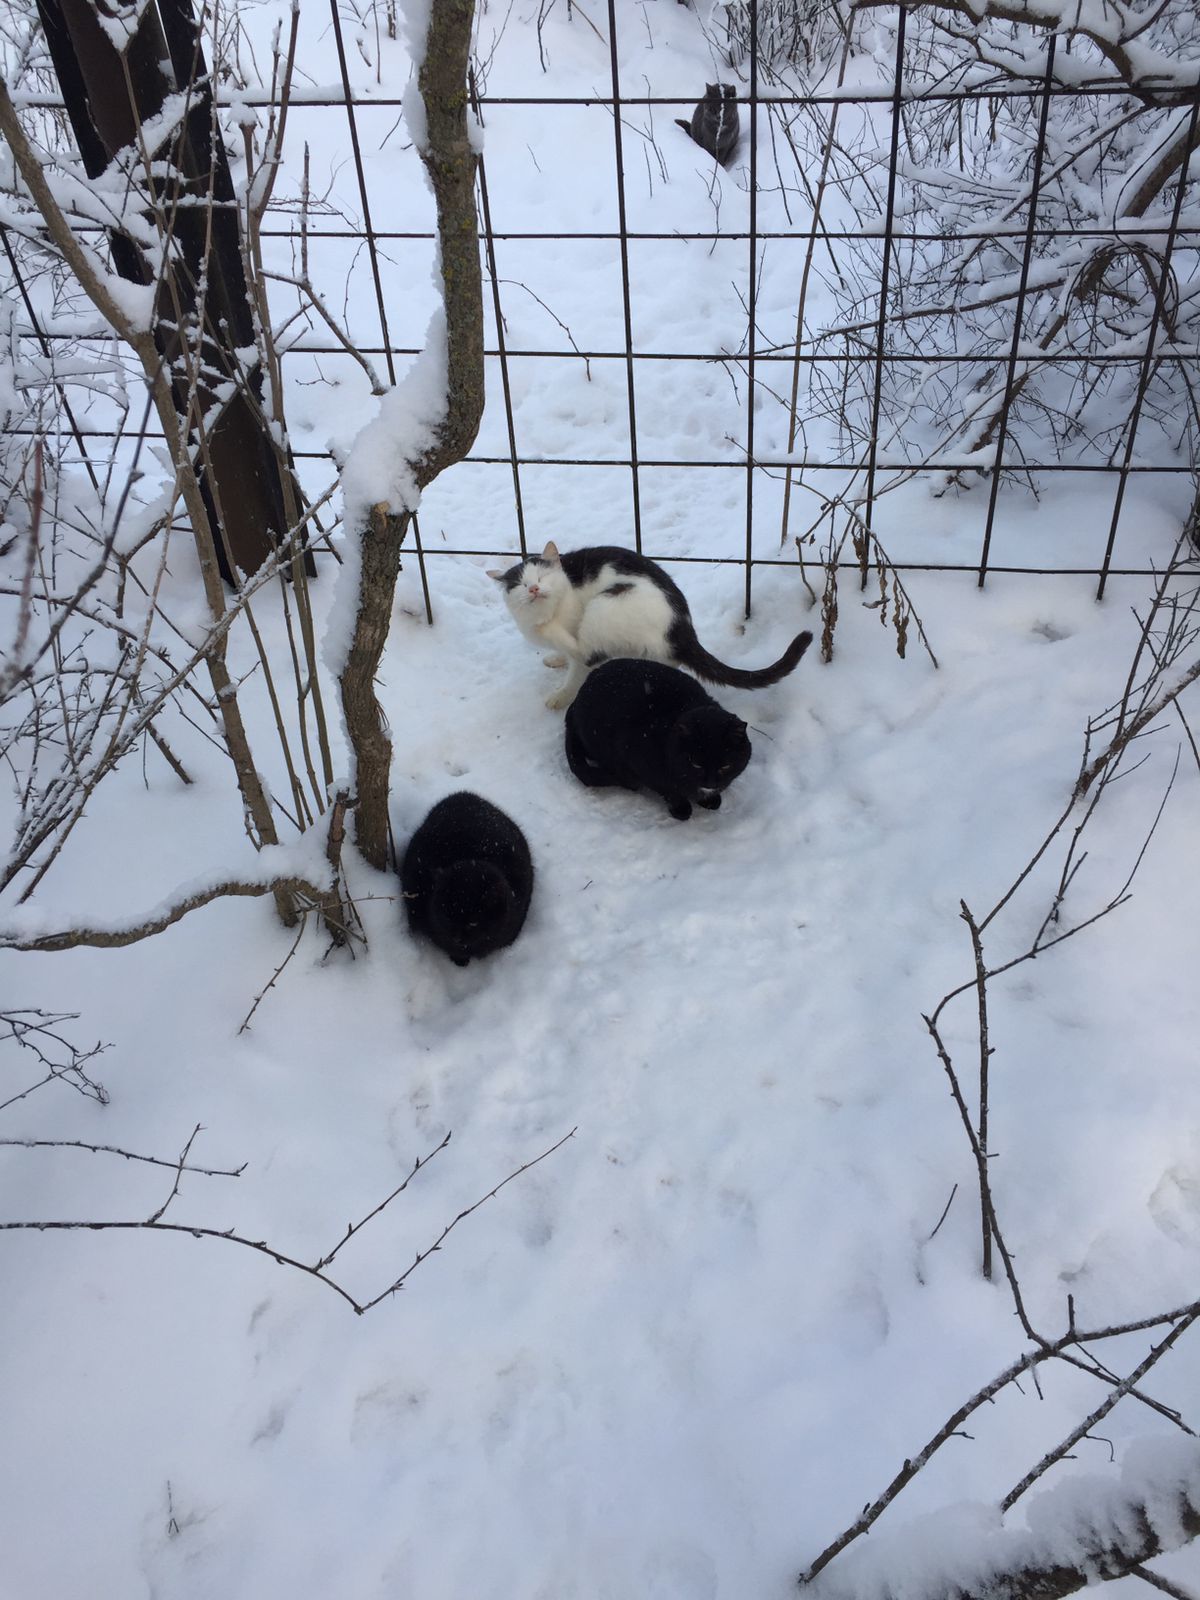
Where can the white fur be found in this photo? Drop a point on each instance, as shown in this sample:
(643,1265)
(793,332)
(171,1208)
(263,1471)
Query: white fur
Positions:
(583,622)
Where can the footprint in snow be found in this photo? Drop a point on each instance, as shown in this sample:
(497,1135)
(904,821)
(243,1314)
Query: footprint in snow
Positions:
(680,1572)
(1175,1205)
(272,1424)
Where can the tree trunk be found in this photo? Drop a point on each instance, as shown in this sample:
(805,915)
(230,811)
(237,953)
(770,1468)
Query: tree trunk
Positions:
(450,163)
(110,95)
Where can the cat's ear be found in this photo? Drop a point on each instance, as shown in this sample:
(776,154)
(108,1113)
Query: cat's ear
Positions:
(494,572)
(550,553)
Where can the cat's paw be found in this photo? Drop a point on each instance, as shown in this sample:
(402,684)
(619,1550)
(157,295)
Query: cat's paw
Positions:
(554,661)
(561,700)
(681,810)
(710,802)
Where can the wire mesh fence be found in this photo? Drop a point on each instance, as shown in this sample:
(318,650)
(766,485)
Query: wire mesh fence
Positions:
(1060,317)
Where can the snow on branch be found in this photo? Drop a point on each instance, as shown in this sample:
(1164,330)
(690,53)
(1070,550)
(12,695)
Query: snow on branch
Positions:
(1084,1530)
(119,935)
(317,1269)
(1113,28)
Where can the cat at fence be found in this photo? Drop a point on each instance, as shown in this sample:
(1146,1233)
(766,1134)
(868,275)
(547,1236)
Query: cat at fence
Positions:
(644,725)
(715,124)
(602,602)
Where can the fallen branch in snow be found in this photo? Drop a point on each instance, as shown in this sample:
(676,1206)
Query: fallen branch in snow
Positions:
(1181,1318)
(307,894)
(1087,1529)
(313,1269)
(1175,1590)
(335,907)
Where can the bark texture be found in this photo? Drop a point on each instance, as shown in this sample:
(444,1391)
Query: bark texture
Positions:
(450,163)
(202,301)
(1116,1558)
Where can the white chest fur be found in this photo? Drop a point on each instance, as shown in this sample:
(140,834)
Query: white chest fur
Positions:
(612,614)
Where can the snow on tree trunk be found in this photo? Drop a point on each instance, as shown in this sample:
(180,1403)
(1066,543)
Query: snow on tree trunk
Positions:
(425,424)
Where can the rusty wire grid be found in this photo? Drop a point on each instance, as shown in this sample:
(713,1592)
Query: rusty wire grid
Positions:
(1174,244)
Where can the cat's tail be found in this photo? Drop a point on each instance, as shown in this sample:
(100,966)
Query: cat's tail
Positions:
(690,653)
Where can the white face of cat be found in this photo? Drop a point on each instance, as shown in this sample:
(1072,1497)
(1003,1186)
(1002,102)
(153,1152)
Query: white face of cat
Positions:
(537,590)
(533,590)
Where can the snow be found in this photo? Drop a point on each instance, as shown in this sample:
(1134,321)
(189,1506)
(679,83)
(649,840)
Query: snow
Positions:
(415,17)
(674,1359)
(965,1549)
(379,471)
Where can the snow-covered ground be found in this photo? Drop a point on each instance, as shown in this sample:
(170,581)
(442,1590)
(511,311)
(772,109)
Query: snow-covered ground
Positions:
(674,1359)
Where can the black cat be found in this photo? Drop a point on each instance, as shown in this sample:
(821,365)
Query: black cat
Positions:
(644,725)
(467,875)
(715,125)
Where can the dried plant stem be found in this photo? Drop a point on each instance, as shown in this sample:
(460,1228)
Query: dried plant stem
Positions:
(316,1269)
(140,340)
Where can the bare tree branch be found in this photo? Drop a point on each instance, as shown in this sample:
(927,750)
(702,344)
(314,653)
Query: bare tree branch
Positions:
(154,1224)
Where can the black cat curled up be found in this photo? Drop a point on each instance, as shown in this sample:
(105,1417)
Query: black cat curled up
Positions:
(715,124)
(467,876)
(645,725)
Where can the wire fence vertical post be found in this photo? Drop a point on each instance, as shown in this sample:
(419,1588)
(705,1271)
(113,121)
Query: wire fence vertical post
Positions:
(624,243)
(1019,309)
(884,285)
(501,345)
(752,299)
(1147,366)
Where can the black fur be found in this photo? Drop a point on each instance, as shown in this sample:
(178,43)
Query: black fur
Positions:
(715,124)
(644,725)
(468,876)
(583,565)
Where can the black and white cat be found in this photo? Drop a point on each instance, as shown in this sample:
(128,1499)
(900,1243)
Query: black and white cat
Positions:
(467,876)
(644,725)
(715,124)
(602,602)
